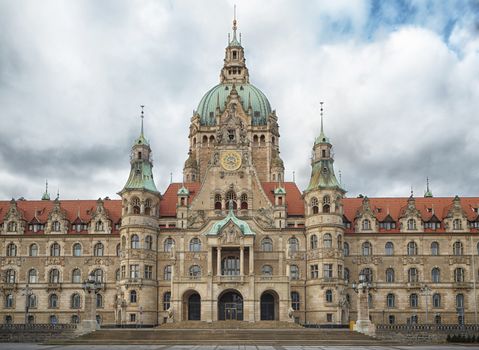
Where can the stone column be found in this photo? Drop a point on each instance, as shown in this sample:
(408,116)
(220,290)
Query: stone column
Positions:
(251,260)
(363,324)
(218,261)
(241,261)
(210,261)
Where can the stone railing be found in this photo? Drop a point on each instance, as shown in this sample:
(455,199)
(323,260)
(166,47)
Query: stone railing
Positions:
(428,327)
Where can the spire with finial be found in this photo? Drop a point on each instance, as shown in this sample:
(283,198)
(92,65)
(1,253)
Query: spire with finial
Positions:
(322,137)
(412,192)
(142,117)
(58,194)
(428,193)
(46,195)
(141,140)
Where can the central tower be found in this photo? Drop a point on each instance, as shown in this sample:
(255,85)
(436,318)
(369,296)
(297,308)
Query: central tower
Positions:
(234,115)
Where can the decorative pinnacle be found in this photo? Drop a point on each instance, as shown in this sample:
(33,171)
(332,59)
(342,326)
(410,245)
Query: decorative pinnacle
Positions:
(142,117)
(427,184)
(234,20)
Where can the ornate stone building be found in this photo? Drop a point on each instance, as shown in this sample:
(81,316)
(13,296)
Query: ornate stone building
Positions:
(234,240)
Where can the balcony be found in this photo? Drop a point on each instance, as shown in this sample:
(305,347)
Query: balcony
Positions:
(229,279)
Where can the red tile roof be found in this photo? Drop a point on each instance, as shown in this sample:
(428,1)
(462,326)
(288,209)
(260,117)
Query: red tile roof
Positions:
(170,198)
(294,200)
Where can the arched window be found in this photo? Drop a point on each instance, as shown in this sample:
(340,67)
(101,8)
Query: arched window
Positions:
(459,274)
(411,224)
(293,272)
(262,139)
(218,201)
(99,300)
(136,205)
(329,296)
(412,275)
(56,226)
(77,249)
(340,242)
(368,274)
(366,225)
(54,276)
(205,139)
(413,300)
(230,266)
(267,244)
(389,248)
(118,249)
(166,300)
(76,276)
(293,244)
(98,249)
(133,297)
(11,276)
(135,242)
(149,242)
(436,300)
(148,207)
(55,249)
(326,204)
(327,240)
(8,301)
(32,301)
(231,197)
(412,248)
(457,248)
(168,244)
(434,248)
(436,275)
(53,301)
(370,300)
(167,273)
(195,245)
(389,275)
(255,139)
(346,249)
(456,224)
(390,300)
(33,250)
(117,275)
(346,275)
(32,276)
(267,270)
(75,301)
(315,205)
(123,242)
(295,302)
(99,227)
(98,275)
(313,241)
(195,271)
(244,201)
(11,249)
(367,249)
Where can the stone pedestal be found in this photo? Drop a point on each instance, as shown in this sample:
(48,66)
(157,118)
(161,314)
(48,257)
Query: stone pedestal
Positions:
(363,324)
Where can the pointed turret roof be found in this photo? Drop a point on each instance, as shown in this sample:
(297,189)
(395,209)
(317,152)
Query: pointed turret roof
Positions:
(46,195)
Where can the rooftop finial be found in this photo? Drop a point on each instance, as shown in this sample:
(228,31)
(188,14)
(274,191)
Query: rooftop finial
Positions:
(142,117)
(46,195)
(294,176)
(321,112)
(234,19)
(412,192)
(428,193)
(171,178)
(340,177)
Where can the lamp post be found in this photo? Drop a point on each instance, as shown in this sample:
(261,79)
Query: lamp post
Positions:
(27,291)
(363,323)
(426,291)
(91,286)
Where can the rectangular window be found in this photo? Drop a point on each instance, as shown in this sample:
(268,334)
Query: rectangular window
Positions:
(123,271)
(328,270)
(132,317)
(340,271)
(314,271)
(329,317)
(392,319)
(148,272)
(134,271)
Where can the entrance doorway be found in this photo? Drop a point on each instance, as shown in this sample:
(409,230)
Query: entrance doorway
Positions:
(194,307)
(230,306)
(267,307)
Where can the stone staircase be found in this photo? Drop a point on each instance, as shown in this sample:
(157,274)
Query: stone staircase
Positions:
(220,333)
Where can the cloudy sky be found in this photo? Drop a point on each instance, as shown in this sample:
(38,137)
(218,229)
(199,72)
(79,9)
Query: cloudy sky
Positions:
(400,82)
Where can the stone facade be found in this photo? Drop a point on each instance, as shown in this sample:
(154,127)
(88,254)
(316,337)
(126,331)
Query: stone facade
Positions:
(235,241)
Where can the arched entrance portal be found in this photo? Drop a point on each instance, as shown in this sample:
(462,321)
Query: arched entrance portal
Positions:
(194,307)
(230,306)
(268,307)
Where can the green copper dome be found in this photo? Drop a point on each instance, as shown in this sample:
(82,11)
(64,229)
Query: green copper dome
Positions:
(248,93)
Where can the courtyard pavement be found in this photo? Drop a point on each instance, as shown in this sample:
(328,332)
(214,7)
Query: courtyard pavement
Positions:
(27,346)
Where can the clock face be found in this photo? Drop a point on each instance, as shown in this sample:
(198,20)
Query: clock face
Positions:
(230,160)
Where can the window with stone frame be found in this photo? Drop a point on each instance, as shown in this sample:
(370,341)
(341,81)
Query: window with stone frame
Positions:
(412,275)
(149,242)
(391,300)
(390,275)
(267,244)
(55,249)
(98,249)
(314,271)
(76,276)
(195,244)
(33,250)
(327,271)
(134,271)
(412,248)
(414,300)
(313,241)
(458,248)
(54,276)
(167,273)
(327,241)
(367,248)
(434,248)
(32,276)
(11,276)
(135,241)
(436,300)
(436,275)
(411,225)
(148,272)
(295,301)
(11,249)
(195,271)
(458,275)
(346,249)
(328,296)
(389,248)
(166,301)
(294,272)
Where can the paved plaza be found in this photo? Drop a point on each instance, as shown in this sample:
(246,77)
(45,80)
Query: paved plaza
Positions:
(23,346)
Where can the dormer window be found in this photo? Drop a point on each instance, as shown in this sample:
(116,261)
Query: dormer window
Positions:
(411,224)
(12,226)
(456,224)
(366,224)
(99,226)
(56,226)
